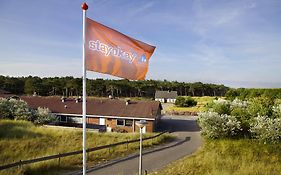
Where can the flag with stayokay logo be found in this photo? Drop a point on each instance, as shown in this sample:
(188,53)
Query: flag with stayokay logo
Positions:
(111,52)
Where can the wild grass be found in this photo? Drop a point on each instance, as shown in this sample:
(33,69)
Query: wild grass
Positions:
(200,107)
(21,140)
(229,157)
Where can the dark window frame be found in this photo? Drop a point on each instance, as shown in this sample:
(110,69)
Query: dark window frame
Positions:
(119,120)
(65,118)
(130,121)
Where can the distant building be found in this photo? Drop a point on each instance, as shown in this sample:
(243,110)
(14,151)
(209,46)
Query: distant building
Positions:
(112,114)
(166,96)
(4,93)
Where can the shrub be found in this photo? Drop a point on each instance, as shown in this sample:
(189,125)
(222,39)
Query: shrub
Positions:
(44,116)
(221,108)
(277,109)
(243,117)
(5,112)
(120,130)
(214,125)
(236,103)
(185,102)
(260,106)
(266,129)
(179,101)
(15,109)
(20,110)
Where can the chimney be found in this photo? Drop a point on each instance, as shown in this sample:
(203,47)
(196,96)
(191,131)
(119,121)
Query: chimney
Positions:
(65,106)
(110,97)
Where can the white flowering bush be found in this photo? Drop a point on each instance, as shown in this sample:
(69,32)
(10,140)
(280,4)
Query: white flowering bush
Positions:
(214,125)
(44,116)
(20,110)
(236,103)
(266,129)
(15,109)
(221,101)
(277,110)
(5,112)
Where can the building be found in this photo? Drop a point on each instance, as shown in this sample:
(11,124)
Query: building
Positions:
(5,94)
(166,96)
(113,114)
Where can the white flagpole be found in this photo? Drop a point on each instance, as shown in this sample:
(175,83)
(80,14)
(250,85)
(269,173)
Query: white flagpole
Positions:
(84,8)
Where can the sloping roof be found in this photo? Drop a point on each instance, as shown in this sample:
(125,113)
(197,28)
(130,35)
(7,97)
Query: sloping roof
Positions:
(103,107)
(166,94)
(4,92)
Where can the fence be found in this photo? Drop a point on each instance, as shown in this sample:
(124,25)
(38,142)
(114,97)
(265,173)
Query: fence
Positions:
(58,156)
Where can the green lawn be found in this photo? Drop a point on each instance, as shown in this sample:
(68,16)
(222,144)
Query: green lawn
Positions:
(21,140)
(229,157)
(200,107)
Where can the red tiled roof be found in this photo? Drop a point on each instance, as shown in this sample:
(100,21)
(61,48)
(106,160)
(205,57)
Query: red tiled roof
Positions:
(4,92)
(104,107)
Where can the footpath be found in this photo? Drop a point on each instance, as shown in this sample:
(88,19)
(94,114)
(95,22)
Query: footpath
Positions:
(188,141)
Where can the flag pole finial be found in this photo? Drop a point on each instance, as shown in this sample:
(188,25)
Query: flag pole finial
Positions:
(84,6)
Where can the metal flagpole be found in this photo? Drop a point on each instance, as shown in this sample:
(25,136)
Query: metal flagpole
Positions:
(140,158)
(84,8)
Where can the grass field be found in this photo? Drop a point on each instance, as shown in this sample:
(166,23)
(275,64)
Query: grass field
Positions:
(21,140)
(229,157)
(200,107)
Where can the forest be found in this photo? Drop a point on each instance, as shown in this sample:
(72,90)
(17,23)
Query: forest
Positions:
(243,93)
(70,86)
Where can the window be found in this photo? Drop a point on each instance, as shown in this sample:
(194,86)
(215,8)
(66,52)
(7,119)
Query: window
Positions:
(63,118)
(128,122)
(120,122)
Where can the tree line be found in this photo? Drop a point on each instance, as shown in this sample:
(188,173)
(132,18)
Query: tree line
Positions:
(70,86)
(243,93)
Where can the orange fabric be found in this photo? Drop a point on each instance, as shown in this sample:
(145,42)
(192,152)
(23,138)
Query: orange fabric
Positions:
(111,52)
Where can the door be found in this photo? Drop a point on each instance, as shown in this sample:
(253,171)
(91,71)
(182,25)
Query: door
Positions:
(102,121)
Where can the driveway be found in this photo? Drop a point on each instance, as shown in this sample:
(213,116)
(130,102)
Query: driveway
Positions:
(188,141)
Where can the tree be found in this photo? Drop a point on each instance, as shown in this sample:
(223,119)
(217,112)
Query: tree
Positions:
(44,116)
(185,102)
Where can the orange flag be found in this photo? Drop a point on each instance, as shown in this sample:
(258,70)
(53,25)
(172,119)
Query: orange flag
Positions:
(111,52)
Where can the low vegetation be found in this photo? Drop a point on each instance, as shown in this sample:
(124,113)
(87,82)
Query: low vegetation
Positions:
(202,102)
(185,102)
(19,110)
(229,157)
(241,138)
(244,94)
(22,140)
(258,118)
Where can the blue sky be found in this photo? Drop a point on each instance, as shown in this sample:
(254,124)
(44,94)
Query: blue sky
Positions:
(236,43)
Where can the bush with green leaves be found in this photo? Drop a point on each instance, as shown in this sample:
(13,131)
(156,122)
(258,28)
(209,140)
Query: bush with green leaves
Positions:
(15,109)
(277,109)
(5,112)
(185,102)
(214,125)
(242,115)
(267,130)
(260,106)
(44,116)
(259,117)
(20,110)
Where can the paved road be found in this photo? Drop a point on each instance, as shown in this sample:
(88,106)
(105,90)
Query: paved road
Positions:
(188,140)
